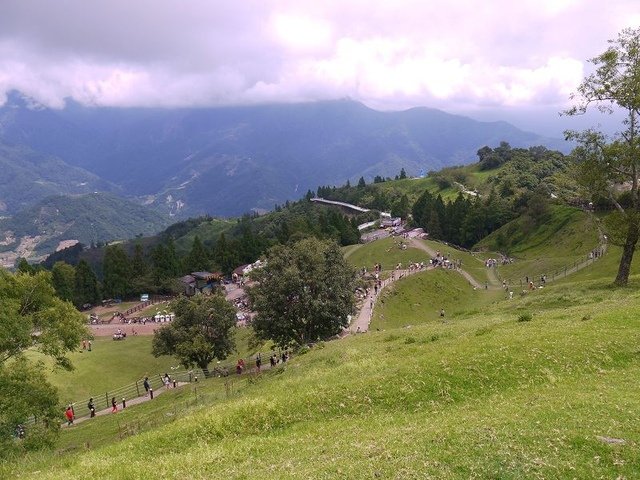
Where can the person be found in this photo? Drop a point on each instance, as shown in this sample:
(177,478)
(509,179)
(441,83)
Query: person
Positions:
(167,381)
(273,360)
(92,408)
(442,314)
(240,366)
(89,345)
(114,405)
(84,344)
(147,386)
(258,362)
(69,414)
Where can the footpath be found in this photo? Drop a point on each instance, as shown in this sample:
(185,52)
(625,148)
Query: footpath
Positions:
(363,319)
(129,403)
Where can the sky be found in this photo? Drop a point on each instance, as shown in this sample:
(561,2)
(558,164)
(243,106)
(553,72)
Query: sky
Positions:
(514,60)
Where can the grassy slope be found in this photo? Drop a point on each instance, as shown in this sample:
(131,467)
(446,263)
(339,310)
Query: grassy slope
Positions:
(566,237)
(385,252)
(471,262)
(418,299)
(111,365)
(207,231)
(483,397)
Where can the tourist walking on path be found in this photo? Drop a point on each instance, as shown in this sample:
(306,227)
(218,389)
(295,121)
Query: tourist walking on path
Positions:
(69,415)
(92,408)
(114,405)
(147,386)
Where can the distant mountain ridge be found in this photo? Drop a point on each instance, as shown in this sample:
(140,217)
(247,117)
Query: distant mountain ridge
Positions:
(89,218)
(229,160)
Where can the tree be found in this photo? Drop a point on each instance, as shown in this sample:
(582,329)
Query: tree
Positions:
(117,272)
(201,332)
(606,162)
(403,174)
(401,207)
(139,265)
(86,288)
(197,260)
(362,183)
(304,293)
(24,266)
(225,254)
(64,280)
(32,317)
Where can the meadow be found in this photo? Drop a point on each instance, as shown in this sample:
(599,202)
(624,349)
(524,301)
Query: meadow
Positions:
(486,396)
(540,386)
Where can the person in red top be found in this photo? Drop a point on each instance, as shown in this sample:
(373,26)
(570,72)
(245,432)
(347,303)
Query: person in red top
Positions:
(240,366)
(69,414)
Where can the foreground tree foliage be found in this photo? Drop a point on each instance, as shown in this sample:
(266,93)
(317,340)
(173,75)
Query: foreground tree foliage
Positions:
(303,294)
(605,164)
(32,317)
(201,332)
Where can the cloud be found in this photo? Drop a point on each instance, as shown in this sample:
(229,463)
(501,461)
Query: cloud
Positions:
(395,54)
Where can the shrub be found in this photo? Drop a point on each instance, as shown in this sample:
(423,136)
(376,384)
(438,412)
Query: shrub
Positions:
(525,317)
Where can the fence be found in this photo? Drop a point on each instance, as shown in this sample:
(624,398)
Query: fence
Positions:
(136,389)
(556,273)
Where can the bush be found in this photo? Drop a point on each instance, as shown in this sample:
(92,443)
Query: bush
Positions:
(525,317)
(302,350)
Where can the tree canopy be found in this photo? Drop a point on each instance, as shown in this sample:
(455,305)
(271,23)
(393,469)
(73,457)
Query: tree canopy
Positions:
(201,332)
(32,317)
(608,164)
(303,294)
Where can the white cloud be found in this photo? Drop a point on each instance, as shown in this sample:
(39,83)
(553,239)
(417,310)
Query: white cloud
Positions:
(411,52)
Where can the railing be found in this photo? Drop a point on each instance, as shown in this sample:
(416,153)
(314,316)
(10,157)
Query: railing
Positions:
(557,273)
(136,389)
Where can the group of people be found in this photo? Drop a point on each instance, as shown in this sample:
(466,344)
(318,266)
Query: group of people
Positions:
(274,360)
(493,262)
(119,334)
(86,345)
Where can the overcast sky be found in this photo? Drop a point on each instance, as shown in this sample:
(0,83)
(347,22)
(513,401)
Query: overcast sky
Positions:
(516,60)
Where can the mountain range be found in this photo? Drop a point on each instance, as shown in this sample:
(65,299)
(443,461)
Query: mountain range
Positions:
(229,160)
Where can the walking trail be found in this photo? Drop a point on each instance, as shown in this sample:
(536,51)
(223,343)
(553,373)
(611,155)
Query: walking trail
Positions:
(362,321)
(130,402)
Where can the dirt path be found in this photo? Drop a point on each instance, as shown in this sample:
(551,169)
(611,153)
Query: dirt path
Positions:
(130,403)
(363,319)
(415,243)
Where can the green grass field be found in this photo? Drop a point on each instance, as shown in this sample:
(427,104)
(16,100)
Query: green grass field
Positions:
(485,396)
(419,298)
(540,386)
(385,252)
(471,262)
(566,237)
(114,364)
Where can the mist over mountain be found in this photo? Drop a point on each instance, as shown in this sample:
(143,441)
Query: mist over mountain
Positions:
(230,160)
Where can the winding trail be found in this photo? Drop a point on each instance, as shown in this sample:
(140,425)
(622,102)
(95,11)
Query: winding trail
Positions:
(415,243)
(363,319)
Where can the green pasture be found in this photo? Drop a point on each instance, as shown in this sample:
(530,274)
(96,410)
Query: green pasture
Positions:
(387,252)
(472,262)
(564,239)
(110,364)
(113,364)
(418,299)
(482,396)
